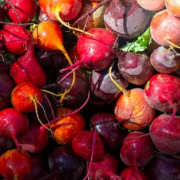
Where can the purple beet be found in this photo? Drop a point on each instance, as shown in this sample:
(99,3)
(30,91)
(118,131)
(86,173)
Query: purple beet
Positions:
(102,86)
(108,128)
(136,151)
(79,91)
(65,164)
(167,140)
(135,68)
(163,168)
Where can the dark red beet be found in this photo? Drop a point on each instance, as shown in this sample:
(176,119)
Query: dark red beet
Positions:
(66,164)
(135,68)
(26,68)
(13,124)
(6,87)
(79,91)
(133,174)
(5,144)
(105,169)
(162,91)
(38,167)
(102,86)
(35,139)
(16,38)
(163,168)
(25,10)
(87,141)
(165,60)
(136,151)
(126,18)
(108,128)
(167,140)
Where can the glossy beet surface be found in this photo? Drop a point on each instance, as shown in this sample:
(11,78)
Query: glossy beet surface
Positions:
(108,128)
(83,142)
(137,151)
(167,140)
(65,163)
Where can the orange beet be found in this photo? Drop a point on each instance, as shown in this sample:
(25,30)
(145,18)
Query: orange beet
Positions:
(23,95)
(65,129)
(134,110)
(15,164)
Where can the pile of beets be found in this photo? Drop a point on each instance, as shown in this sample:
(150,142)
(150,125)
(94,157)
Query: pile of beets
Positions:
(74,105)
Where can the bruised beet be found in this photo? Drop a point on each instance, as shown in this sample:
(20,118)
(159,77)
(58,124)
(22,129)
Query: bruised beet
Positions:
(102,86)
(35,139)
(163,168)
(136,151)
(79,91)
(131,173)
(135,68)
(166,140)
(65,164)
(105,169)
(82,145)
(26,68)
(108,128)
(6,87)
(165,60)
(126,18)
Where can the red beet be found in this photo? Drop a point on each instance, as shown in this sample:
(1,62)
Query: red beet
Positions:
(15,164)
(136,151)
(25,10)
(131,173)
(35,139)
(167,140)
(12,124)
(162,92)
(163,168)
(87,142)
(108,128)
(104,169)
(26,68)
(16,38)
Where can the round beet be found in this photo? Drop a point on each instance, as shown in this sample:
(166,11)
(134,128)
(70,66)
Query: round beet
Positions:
(135,68)
(87,142)
(173,7)
(166,140)
(136,151)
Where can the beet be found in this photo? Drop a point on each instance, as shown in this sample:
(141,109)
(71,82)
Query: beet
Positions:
(135,68)
(173,7)
(5,144)
(102,86)
(65,164)
(136,151)
(162,92)
(126,18)
(167,140)
(162,168)
(85,143)
(108,128)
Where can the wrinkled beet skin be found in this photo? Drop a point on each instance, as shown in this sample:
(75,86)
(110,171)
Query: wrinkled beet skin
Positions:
(82,146)
(135,68)
(163,168)
(164,60)
(79,91)
(130,173)
(65,163)
(102,86)
(108,128)
(104,169)
(161,87)
(126,18)
(136,152)
(167,141)
(6,87)
(97,49)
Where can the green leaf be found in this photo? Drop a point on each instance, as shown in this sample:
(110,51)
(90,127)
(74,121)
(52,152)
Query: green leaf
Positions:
(140,44)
